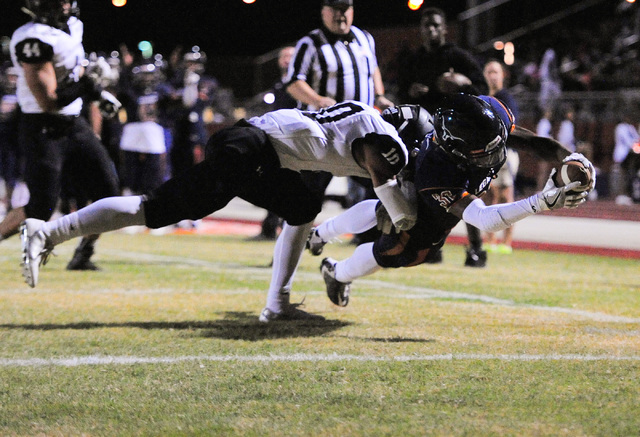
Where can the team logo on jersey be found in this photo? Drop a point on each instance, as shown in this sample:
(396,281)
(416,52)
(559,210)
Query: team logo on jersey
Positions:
(444,198)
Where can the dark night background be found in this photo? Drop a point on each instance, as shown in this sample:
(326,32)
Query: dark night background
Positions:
(234,34)
(231,27)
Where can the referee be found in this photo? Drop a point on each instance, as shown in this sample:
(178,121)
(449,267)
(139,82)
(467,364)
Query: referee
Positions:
(336,62)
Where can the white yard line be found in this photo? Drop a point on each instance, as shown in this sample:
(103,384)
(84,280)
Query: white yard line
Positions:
(103,360)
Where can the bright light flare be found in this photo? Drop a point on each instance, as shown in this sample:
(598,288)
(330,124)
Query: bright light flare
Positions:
(249,1)
(118,3)
(414,5)
(269,98)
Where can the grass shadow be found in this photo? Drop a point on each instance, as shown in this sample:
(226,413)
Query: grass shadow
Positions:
(232,326)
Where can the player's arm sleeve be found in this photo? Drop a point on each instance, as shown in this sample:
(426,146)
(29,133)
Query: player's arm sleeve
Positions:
(496,218)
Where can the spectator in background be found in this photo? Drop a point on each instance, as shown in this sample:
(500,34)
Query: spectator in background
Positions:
(550,83)
(282,100)
(544,129)
(502,187)
(566,131)
(623,170)
(144,148)
(193,111)
(10,153)
(436,69)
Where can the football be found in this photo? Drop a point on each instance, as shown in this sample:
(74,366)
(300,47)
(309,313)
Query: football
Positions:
(572,171)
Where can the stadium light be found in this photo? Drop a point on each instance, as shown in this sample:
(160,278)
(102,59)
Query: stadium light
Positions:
(509,53)
(414,5)
(118,3)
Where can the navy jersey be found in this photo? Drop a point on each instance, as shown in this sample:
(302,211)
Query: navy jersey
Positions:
(440,182)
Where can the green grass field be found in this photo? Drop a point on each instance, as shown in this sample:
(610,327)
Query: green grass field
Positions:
(165,341)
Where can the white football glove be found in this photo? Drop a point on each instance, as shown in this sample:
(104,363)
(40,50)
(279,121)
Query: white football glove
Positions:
(552,197)
(108,104)
(580,157)
(383,221)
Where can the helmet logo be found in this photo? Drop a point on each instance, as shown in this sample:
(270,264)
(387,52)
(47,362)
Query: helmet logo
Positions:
(493,143)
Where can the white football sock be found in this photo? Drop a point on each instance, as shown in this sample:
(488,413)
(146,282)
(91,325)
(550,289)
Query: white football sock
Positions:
(104,215)
(361,263)
(357,219)
(286,256)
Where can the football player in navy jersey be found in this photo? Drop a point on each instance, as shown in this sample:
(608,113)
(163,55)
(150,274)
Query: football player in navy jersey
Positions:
(48,55)
(451,170)
(258,160)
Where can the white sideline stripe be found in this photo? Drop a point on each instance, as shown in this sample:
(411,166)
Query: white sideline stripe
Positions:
(127,360)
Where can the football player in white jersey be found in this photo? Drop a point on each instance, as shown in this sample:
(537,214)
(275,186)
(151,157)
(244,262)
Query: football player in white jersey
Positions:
(258,160)
(48,55)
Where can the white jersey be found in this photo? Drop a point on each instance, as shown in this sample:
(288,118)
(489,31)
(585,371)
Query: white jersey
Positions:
(322,140)
(39,43)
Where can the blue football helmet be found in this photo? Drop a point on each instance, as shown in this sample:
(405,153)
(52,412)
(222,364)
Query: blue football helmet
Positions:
(469,131)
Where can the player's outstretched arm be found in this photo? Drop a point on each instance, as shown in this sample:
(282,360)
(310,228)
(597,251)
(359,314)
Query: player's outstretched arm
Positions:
(498,217)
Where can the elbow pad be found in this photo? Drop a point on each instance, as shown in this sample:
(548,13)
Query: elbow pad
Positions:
(399,202)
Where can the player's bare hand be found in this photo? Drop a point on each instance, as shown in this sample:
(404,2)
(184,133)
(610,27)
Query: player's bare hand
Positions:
(325,102)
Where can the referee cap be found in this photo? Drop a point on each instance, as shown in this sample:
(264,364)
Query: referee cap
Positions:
(338,3)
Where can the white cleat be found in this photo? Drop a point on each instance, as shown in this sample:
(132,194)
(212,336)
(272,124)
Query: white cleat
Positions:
(36,249)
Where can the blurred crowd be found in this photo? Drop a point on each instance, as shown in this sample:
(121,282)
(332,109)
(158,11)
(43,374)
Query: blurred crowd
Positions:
(169,109)
(171,104)
(579,58)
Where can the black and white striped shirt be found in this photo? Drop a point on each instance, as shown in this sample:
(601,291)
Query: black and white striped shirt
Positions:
(340,67)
